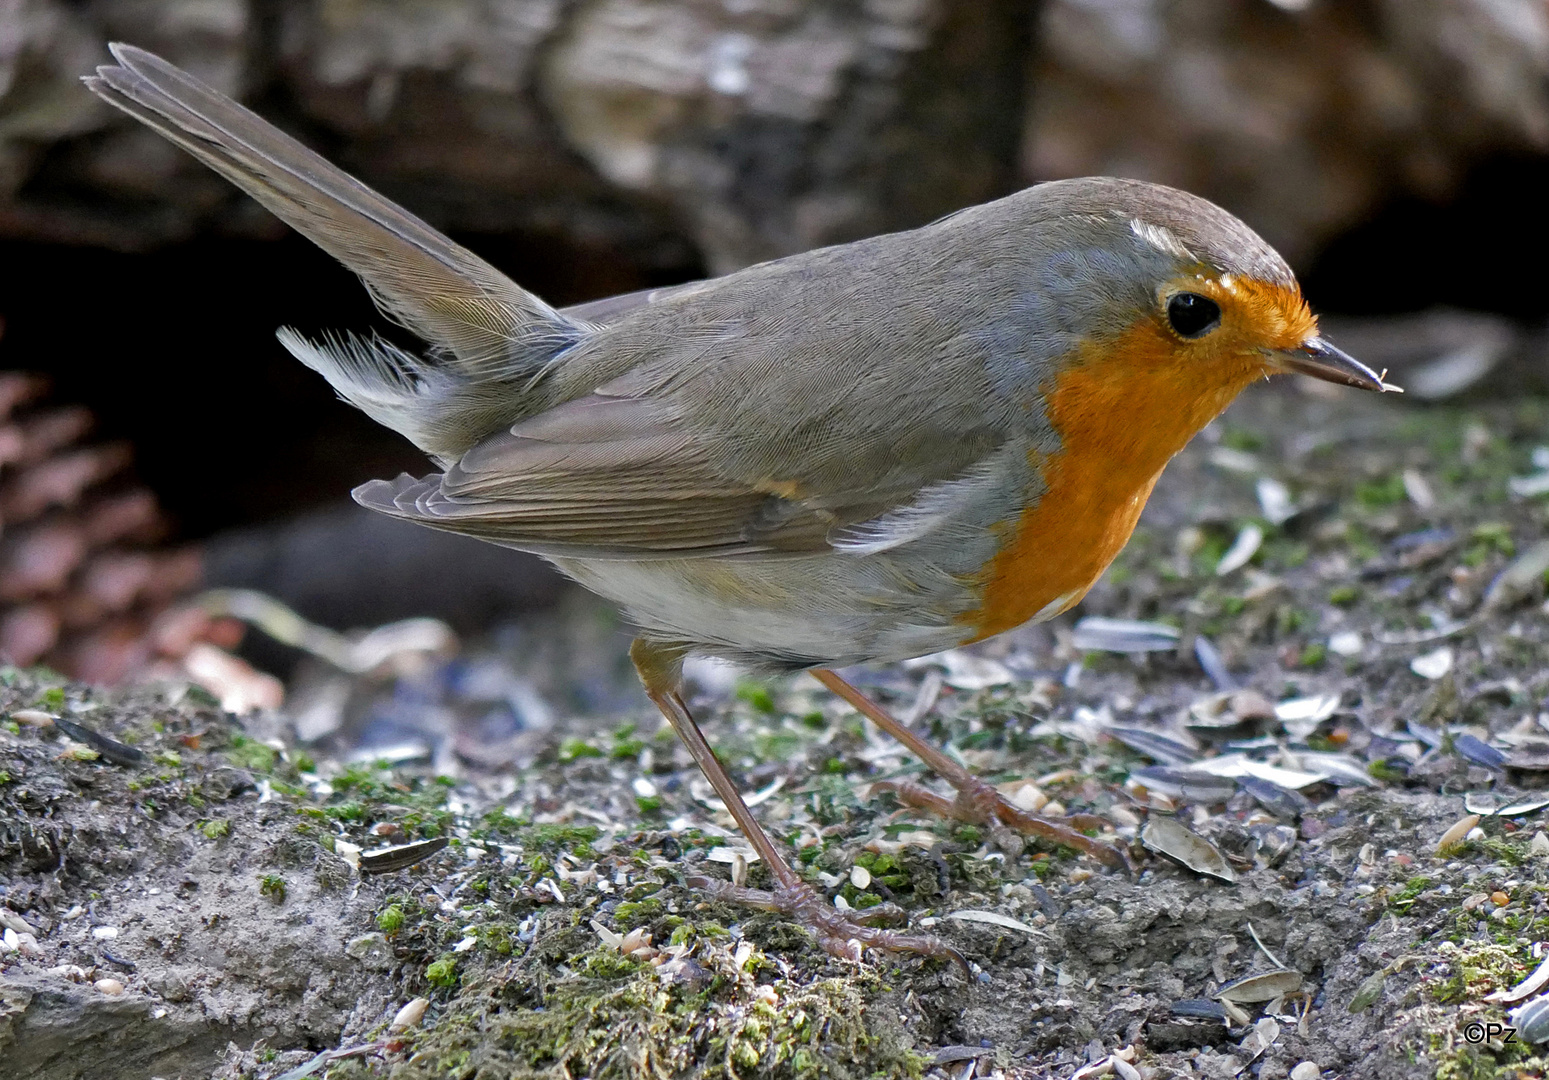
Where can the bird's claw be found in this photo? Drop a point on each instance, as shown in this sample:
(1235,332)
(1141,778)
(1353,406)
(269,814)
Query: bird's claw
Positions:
(978,803)
(839,934)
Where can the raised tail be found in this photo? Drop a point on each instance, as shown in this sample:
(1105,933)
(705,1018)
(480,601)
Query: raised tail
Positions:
(492,337)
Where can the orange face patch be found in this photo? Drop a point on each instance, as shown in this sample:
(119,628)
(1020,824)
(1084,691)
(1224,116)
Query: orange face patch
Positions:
(1122,409)
(1255,315)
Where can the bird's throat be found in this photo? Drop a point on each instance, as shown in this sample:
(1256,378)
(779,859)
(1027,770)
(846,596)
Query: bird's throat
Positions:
(1121,413)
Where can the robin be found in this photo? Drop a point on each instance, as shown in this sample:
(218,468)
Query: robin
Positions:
(860,454)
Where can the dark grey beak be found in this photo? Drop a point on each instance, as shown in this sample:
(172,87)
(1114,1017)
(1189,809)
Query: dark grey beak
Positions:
(1323,361)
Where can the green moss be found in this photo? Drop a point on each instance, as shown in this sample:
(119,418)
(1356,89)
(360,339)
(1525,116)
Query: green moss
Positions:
(576,839)
(250,754)
(1381,770)
(1477,969)
(390,919)
(625,1020)
(1344,595)
(609,964)
(215,828)
(442,972)
(500,938)
(625,744)
(352,812)
(1289,620)
(272,886)
(1503,850)
(981,875)
(631,914)
(200,696)
(1313,655)
(573,749)
(1380,493)
(1496,536)
(1494,1060)
(757,695)
(1410,892)
(498,822)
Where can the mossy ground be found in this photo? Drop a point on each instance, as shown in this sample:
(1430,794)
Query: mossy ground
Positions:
(223,861)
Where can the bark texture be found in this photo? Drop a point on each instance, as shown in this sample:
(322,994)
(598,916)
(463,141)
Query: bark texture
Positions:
(744,129)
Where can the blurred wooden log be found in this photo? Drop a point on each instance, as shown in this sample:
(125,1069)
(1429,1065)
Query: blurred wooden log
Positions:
(764,127)
(747,130)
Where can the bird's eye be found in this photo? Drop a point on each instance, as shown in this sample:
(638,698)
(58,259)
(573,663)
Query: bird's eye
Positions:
(1193,315)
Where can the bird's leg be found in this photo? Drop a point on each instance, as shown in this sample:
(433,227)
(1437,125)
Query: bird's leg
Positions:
(661,671)
(977,802)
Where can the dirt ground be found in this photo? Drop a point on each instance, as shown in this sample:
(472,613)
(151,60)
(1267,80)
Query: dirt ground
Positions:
(202,911)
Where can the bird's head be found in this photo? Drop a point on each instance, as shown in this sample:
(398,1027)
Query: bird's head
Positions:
(1242,323)
(1170,307)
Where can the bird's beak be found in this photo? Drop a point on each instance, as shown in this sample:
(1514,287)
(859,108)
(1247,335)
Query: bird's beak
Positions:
(1323,361)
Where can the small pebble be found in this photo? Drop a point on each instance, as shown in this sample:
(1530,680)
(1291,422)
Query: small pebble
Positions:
(104,933)
(17,923)
(1346,643)
(110,987)
(1499,899)
(349,852)
(1434,664)
(1306,1070)
(1029,798)
(410,1015)
(860,877)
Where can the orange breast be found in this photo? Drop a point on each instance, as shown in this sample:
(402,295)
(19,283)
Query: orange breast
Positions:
(1121,410)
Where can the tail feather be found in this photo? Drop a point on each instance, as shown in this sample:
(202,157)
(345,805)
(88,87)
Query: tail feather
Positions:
(492,337)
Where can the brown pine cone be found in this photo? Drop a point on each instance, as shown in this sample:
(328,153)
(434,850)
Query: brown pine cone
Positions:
(82,580)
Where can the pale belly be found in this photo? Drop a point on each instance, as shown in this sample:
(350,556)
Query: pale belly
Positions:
(795,612)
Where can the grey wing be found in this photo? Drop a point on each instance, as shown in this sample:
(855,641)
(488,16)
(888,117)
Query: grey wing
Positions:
(619,478)
(841,400)
(602,477)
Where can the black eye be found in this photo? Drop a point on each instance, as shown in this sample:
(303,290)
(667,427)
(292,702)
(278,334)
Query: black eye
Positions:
(1193,315)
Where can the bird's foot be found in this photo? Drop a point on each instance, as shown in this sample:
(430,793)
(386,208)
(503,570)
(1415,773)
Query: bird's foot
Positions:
(841,935)
(978,803)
